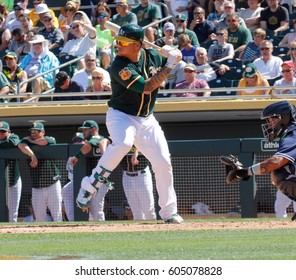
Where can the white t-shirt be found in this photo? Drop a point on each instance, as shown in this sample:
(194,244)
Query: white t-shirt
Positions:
(271,69)
(248,13)
(79,47)
(84,78)
(283,83)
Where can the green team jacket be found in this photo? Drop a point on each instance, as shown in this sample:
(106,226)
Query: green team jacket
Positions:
(46,173)
(12,171)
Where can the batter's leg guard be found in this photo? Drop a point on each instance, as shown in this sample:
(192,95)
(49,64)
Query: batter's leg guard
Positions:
(100,177)
(86,192)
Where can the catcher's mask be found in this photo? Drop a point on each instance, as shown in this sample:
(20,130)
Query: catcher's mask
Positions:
(278,117)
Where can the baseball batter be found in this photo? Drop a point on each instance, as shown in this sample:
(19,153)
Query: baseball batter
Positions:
(90,130)
(136,76)
(138,186)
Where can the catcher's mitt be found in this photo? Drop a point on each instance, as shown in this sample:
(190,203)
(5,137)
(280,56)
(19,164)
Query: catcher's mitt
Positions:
(234,169)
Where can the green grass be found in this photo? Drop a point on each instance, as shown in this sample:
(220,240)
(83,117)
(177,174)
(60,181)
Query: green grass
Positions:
(176,245)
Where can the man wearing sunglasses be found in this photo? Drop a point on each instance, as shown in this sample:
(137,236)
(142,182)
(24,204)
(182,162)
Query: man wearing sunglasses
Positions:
(136,75)
(288,81)
(38,11)
(123,15)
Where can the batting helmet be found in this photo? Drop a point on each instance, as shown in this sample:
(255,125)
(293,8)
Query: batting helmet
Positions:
(130,33)
(278,117)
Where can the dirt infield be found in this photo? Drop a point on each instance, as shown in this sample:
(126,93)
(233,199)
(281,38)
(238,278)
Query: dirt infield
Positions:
(141,226)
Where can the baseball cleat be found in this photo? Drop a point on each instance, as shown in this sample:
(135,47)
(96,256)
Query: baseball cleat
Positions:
(176,219)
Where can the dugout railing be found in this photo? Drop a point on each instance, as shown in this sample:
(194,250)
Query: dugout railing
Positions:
(198,174)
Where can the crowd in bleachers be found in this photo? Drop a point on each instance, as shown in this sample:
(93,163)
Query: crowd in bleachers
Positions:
(244,43)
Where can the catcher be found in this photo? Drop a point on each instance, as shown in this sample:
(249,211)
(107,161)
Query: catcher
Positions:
(280,123)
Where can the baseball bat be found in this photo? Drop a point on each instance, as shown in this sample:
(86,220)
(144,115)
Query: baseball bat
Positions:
(115,28)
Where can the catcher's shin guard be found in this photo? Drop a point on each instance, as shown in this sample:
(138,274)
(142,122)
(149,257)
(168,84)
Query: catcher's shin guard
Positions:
(86,193)
(100,176)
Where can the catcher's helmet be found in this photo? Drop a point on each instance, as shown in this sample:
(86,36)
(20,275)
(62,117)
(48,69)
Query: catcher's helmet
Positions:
(278,117)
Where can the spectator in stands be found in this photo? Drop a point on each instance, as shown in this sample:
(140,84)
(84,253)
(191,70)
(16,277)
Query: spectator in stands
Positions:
(176,76)
(274,18)
(252,78)
(203,28)
(293,52)
(104,40)
(14,23)
(252,49)
(181,23)
(203,69)
(18,39)
(251,15)
(12,14)
(5,35)
(123,15)
(4,86)
(268,65)
(63,83)
(102,7)
(288,80)
(218,12)
(84,41)
(40,9)
(146,13)
(98,85)
(26,23)
(178,7)
(187,49)
(238,35)
(191,82)
(66,15)
(80,15)
(168,39)
(222,50)
(229,8)
(14,73)
(289,37)
(24,50)
(54,35)
(84,76)
(40,60)
(4,11)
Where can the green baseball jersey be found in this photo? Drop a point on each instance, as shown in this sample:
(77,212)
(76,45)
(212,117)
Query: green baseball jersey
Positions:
(128,79)
(12,171)
(46,173)
(145,15)
(129,18)
(95,140)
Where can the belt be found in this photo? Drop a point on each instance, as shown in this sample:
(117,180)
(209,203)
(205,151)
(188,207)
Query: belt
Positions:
(134,174)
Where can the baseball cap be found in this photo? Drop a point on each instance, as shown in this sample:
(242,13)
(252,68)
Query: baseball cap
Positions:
(48,15)
(88,124)
(37,126)
(41,8)
(250,70)
(169,26)
(4,126)
(289,63)
(120,1)
(190,66)
(20,5)
(60,79)
(103,14)
(11,55)
(181,16)
(130,33)
(78,136)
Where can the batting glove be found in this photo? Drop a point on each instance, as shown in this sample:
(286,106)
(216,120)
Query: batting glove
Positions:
(165,50)
(174,57)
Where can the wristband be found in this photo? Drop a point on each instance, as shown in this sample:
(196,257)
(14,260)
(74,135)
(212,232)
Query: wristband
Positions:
(254,169)
(79,154)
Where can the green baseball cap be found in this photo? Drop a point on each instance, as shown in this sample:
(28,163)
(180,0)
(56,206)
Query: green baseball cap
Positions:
(37,126)
(78,137)
(250,70)
(130,33)
(88,124)
(11,55)
(4,126)
(181,16)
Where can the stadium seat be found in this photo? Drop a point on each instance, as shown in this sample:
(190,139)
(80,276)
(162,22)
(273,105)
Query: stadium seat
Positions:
(71,68)
(271,81)
(280,51)
(233,63)
(235,73)
(221,83)
(207,45)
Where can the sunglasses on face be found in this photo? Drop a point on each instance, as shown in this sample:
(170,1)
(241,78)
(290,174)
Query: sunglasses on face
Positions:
(96,78)
(220,34)
(180,20)
(77,16)
(3,131)
(35,131)
(47,20)
(90,60)
(188,71)
(264,49)
(69,10)
(123,43)
(37,44)
(197,13)
(293,49)
(119,5)
(286,70)
(16,10)
(76,26)
(8,58)
(231,20)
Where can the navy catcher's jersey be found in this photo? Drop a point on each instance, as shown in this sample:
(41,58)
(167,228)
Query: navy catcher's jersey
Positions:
(128,79)
(287,145)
